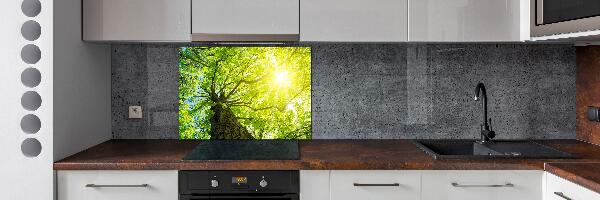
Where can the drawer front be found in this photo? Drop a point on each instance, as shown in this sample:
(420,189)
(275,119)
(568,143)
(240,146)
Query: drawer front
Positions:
(375,185)
(117,185)
(560,189)
(477,185)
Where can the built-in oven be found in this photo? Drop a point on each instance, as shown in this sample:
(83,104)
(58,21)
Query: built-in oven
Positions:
(552,17)
(238,185)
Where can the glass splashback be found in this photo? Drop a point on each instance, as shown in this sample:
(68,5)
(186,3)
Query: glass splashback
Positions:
(244,93)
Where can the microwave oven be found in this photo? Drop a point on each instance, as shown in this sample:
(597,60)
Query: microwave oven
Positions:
(553,17)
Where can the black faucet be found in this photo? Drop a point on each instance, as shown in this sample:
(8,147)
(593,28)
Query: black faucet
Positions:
(487,134)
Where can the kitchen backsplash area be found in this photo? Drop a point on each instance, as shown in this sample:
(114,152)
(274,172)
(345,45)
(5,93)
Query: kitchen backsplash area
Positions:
(383,91)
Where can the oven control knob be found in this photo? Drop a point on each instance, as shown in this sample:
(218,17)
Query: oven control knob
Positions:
(263,183)
(214,183)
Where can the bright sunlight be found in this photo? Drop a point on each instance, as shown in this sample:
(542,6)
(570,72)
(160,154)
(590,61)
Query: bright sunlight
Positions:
(282,79)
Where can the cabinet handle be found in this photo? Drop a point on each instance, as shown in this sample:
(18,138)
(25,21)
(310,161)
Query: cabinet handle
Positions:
(504,185)
(115,186)
(376,184)
(562,195)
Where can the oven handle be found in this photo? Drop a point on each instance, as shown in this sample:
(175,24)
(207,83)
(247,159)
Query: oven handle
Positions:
(285,196)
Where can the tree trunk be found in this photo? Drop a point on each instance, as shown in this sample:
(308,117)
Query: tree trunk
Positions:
(225,125)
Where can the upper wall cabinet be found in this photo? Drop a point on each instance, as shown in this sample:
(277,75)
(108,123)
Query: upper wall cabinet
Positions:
(136,20)
(354,20)
(468,20)
(245,20)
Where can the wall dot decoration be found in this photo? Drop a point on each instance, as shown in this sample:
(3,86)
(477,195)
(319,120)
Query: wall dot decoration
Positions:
(31,30)
(31,147)
(31,54)
(31,77)
(31,124)
(31,100)
(31,8)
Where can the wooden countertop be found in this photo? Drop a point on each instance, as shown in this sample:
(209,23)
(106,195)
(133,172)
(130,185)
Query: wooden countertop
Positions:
(584,174)
(314,154)
(331,155)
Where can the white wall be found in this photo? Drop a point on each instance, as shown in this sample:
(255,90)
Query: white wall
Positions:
(22,177)
(82,109)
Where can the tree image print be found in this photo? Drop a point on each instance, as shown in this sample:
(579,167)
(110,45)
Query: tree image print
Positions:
(244,93)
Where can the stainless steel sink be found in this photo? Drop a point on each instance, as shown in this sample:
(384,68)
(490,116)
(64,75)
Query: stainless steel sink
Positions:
(469,149)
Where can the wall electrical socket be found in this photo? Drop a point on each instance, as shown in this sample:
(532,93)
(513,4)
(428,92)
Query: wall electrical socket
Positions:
(135,112)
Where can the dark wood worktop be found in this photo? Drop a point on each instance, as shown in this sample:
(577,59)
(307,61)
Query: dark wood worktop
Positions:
(584,174)
(314,154)
(331,155)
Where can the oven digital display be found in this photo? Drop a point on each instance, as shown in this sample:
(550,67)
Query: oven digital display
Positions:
(239,180)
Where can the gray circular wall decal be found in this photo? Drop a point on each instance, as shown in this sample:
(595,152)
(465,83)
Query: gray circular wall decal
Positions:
(31,77)
(31,8)
(30,124)
(31,30)
(31,147)
(31,54)
(31,100)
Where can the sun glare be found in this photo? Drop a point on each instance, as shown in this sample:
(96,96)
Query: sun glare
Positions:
(282,79)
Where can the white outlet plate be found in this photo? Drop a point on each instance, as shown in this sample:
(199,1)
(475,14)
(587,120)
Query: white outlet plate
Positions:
(135,112)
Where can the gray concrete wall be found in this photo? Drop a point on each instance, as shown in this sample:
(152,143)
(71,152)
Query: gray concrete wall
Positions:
(371,91)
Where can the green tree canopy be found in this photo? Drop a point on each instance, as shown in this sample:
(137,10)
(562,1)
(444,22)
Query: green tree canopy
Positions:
(244,93)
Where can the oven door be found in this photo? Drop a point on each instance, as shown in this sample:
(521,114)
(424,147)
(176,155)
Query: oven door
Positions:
(551,17)
(241,197)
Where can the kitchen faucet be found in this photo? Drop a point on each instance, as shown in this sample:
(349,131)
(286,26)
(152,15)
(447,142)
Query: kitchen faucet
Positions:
(487,134)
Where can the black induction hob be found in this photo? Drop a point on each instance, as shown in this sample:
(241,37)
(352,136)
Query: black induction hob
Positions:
(245,150)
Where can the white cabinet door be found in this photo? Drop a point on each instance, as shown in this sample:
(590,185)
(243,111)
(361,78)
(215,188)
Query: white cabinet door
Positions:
(314,184)
(482,185)
(560,189)
(117,185)
(354,20)
(136,20)
(245,20)
(468,20)
(375,185)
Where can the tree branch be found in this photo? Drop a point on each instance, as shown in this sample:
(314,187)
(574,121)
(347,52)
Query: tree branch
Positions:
(194,58)
(213,92)
(226,83)
(234,90)
(250,107)
(201,96)
(282,108)
(245,118)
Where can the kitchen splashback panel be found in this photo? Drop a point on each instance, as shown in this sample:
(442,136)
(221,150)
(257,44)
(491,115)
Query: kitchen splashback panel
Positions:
(375,91)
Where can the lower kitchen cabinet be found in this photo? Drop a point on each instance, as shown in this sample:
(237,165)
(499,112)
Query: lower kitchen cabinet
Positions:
(482,185)
(560,189)
(314,184)
(341,185)
(117,185)
(375,185)
(421,185)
